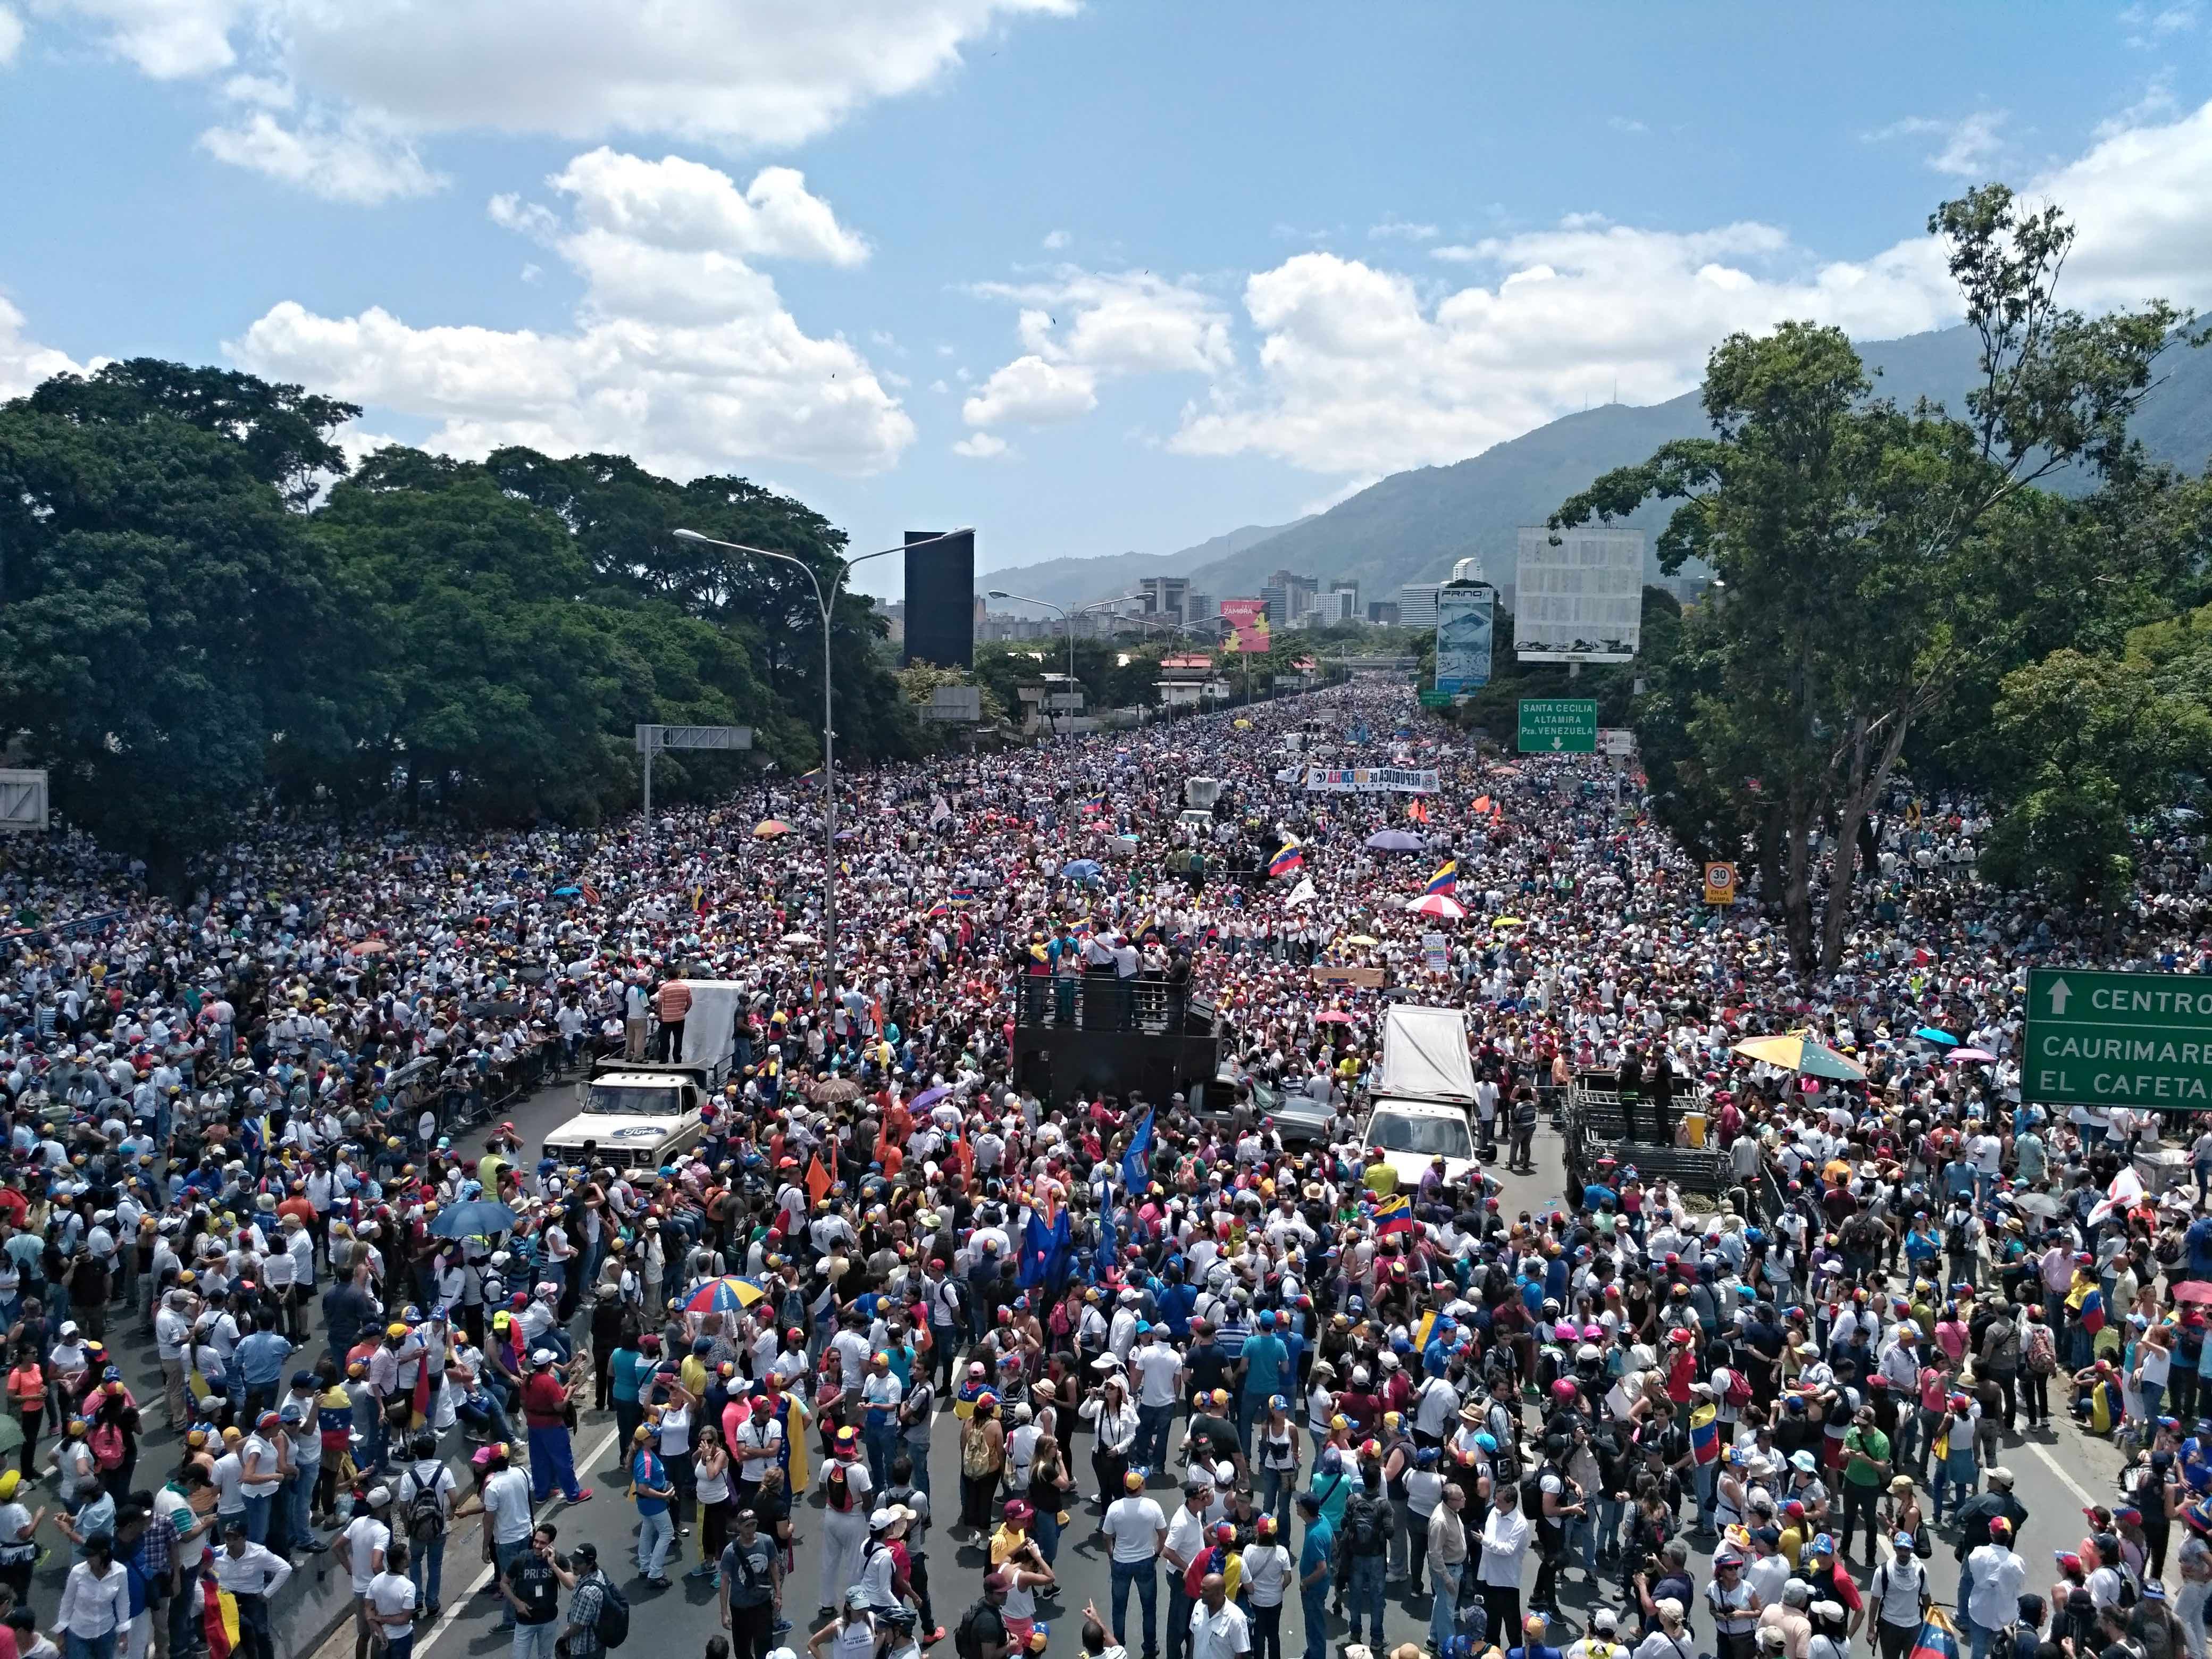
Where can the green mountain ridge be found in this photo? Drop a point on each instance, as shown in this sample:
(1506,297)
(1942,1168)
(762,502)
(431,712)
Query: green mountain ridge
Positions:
(1411,526)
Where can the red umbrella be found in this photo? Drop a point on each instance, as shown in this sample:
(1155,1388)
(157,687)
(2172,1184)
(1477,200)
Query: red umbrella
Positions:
(2193,1290)
(1333,1017)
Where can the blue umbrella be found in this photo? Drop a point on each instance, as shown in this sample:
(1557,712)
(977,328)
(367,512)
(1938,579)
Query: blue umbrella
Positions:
(1083,869)
(567,892)
(482,1215)
(1929,1034)
(1395,840)
(927,1098)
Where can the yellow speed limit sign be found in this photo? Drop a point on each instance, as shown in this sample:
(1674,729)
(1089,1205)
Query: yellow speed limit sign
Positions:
(1720,884)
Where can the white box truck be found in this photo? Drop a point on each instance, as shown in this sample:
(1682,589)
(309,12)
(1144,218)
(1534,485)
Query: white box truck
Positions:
(1421,1105)
(641,1114)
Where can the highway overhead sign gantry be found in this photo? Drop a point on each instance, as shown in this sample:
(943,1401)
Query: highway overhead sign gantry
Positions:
(1558,725)
(2096,1038)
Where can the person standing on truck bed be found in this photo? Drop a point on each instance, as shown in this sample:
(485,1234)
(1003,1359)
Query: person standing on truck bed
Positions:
(673,1002)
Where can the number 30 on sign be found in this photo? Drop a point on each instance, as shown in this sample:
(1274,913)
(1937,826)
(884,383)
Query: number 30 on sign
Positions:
(1720,884)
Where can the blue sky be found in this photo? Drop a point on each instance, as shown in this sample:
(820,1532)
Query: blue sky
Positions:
(1091,278)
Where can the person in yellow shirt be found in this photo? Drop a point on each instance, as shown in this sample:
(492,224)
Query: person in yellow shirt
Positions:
(1380,1178)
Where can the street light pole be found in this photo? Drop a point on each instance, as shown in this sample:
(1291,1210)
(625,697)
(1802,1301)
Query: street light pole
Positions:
(827,605)
(1066,625)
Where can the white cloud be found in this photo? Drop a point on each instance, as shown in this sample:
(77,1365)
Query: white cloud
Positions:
(1625,123)
(1970,147)
(24,362)
(982,446)
(2149,26)
(1079,327)
(347,160)
(682,352)
(1365,371)
(1056,240)
(739,73)
(1392,226)
(11,36)
(1031,390)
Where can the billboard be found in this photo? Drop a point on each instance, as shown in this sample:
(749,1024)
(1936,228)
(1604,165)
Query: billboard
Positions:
(1582,600)
(1464,623)
(1248,623)
(940,600)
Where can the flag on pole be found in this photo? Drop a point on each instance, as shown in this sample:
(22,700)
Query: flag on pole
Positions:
(2125,1192)
(1095,803)
(817,1179)
(1417,810)
(1136,1162)
(1446,879)
(1289,857)
(1481,805)
(1396,1216)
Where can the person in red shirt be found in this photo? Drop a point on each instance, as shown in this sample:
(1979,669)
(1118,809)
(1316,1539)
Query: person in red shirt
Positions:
(545,1409)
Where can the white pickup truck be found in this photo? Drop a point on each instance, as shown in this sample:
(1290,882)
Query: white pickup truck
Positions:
(639,1115)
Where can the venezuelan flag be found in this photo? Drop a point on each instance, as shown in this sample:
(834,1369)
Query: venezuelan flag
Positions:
(1289,857)
(218,1618)
(1096,804)
(1705,1434)
(1446,878)
(962,898)
(1938,1638)
(1396,1216)
(2091,1311)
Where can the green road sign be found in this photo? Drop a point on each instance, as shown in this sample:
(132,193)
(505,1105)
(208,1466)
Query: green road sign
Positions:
(2104,1039)
(1558,725)
(1436,699)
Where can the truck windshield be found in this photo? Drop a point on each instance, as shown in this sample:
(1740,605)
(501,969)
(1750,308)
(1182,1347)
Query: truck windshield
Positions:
(1427,1136)
(626,1102)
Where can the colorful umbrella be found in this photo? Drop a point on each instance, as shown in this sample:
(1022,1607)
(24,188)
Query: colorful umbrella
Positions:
(2193,1290)
(1438,905)
(1333,1017)
(1968,1057)
(1508,921)
(1929,1034)
(722,1295)
(1797,1051)
(1363,941)
(769,829)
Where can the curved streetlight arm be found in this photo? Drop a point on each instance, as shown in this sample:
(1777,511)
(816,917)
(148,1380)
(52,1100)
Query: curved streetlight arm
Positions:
(824,603)
(1067,622)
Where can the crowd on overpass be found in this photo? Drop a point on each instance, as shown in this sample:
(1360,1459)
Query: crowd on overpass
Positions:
(1387,1389)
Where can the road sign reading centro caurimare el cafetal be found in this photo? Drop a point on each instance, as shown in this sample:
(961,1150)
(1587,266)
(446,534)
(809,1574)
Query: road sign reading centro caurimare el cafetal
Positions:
(2104,1039)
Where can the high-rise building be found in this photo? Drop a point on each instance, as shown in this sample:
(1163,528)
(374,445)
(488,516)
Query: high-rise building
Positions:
(1343,601)
(1383,613)
(1299,594)
(1199,607)
(1278,601)
(1417,605)
(1165,596)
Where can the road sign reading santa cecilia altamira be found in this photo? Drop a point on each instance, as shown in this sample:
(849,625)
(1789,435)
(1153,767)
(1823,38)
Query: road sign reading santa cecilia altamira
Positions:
(2105,1039)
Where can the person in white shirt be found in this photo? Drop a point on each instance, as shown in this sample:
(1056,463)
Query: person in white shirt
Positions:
(1505,1533)
(361,1549)
(251,1573)
(1218,1625)
(1995,1577)
(390,1603)
(96,1601)
(1137,1532)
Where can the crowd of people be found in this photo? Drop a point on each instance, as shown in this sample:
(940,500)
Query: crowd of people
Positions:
(1354,1386)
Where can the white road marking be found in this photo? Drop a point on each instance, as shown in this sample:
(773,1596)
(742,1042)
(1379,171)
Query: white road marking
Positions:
(2059,1469)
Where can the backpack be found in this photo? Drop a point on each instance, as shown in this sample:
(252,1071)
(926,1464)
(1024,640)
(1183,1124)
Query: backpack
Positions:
(2042,1352)
(1954,1238)
(966,1642)
(612,1626)
(1366,1525)
(836,1490)
(106,1441)
(1738,1393)
(426,1515)
(1532,1494)
(2127,1585)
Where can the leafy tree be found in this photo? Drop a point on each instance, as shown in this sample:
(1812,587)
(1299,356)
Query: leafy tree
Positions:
(282,431)
(1875,558)
(2101,739)
(161,610)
